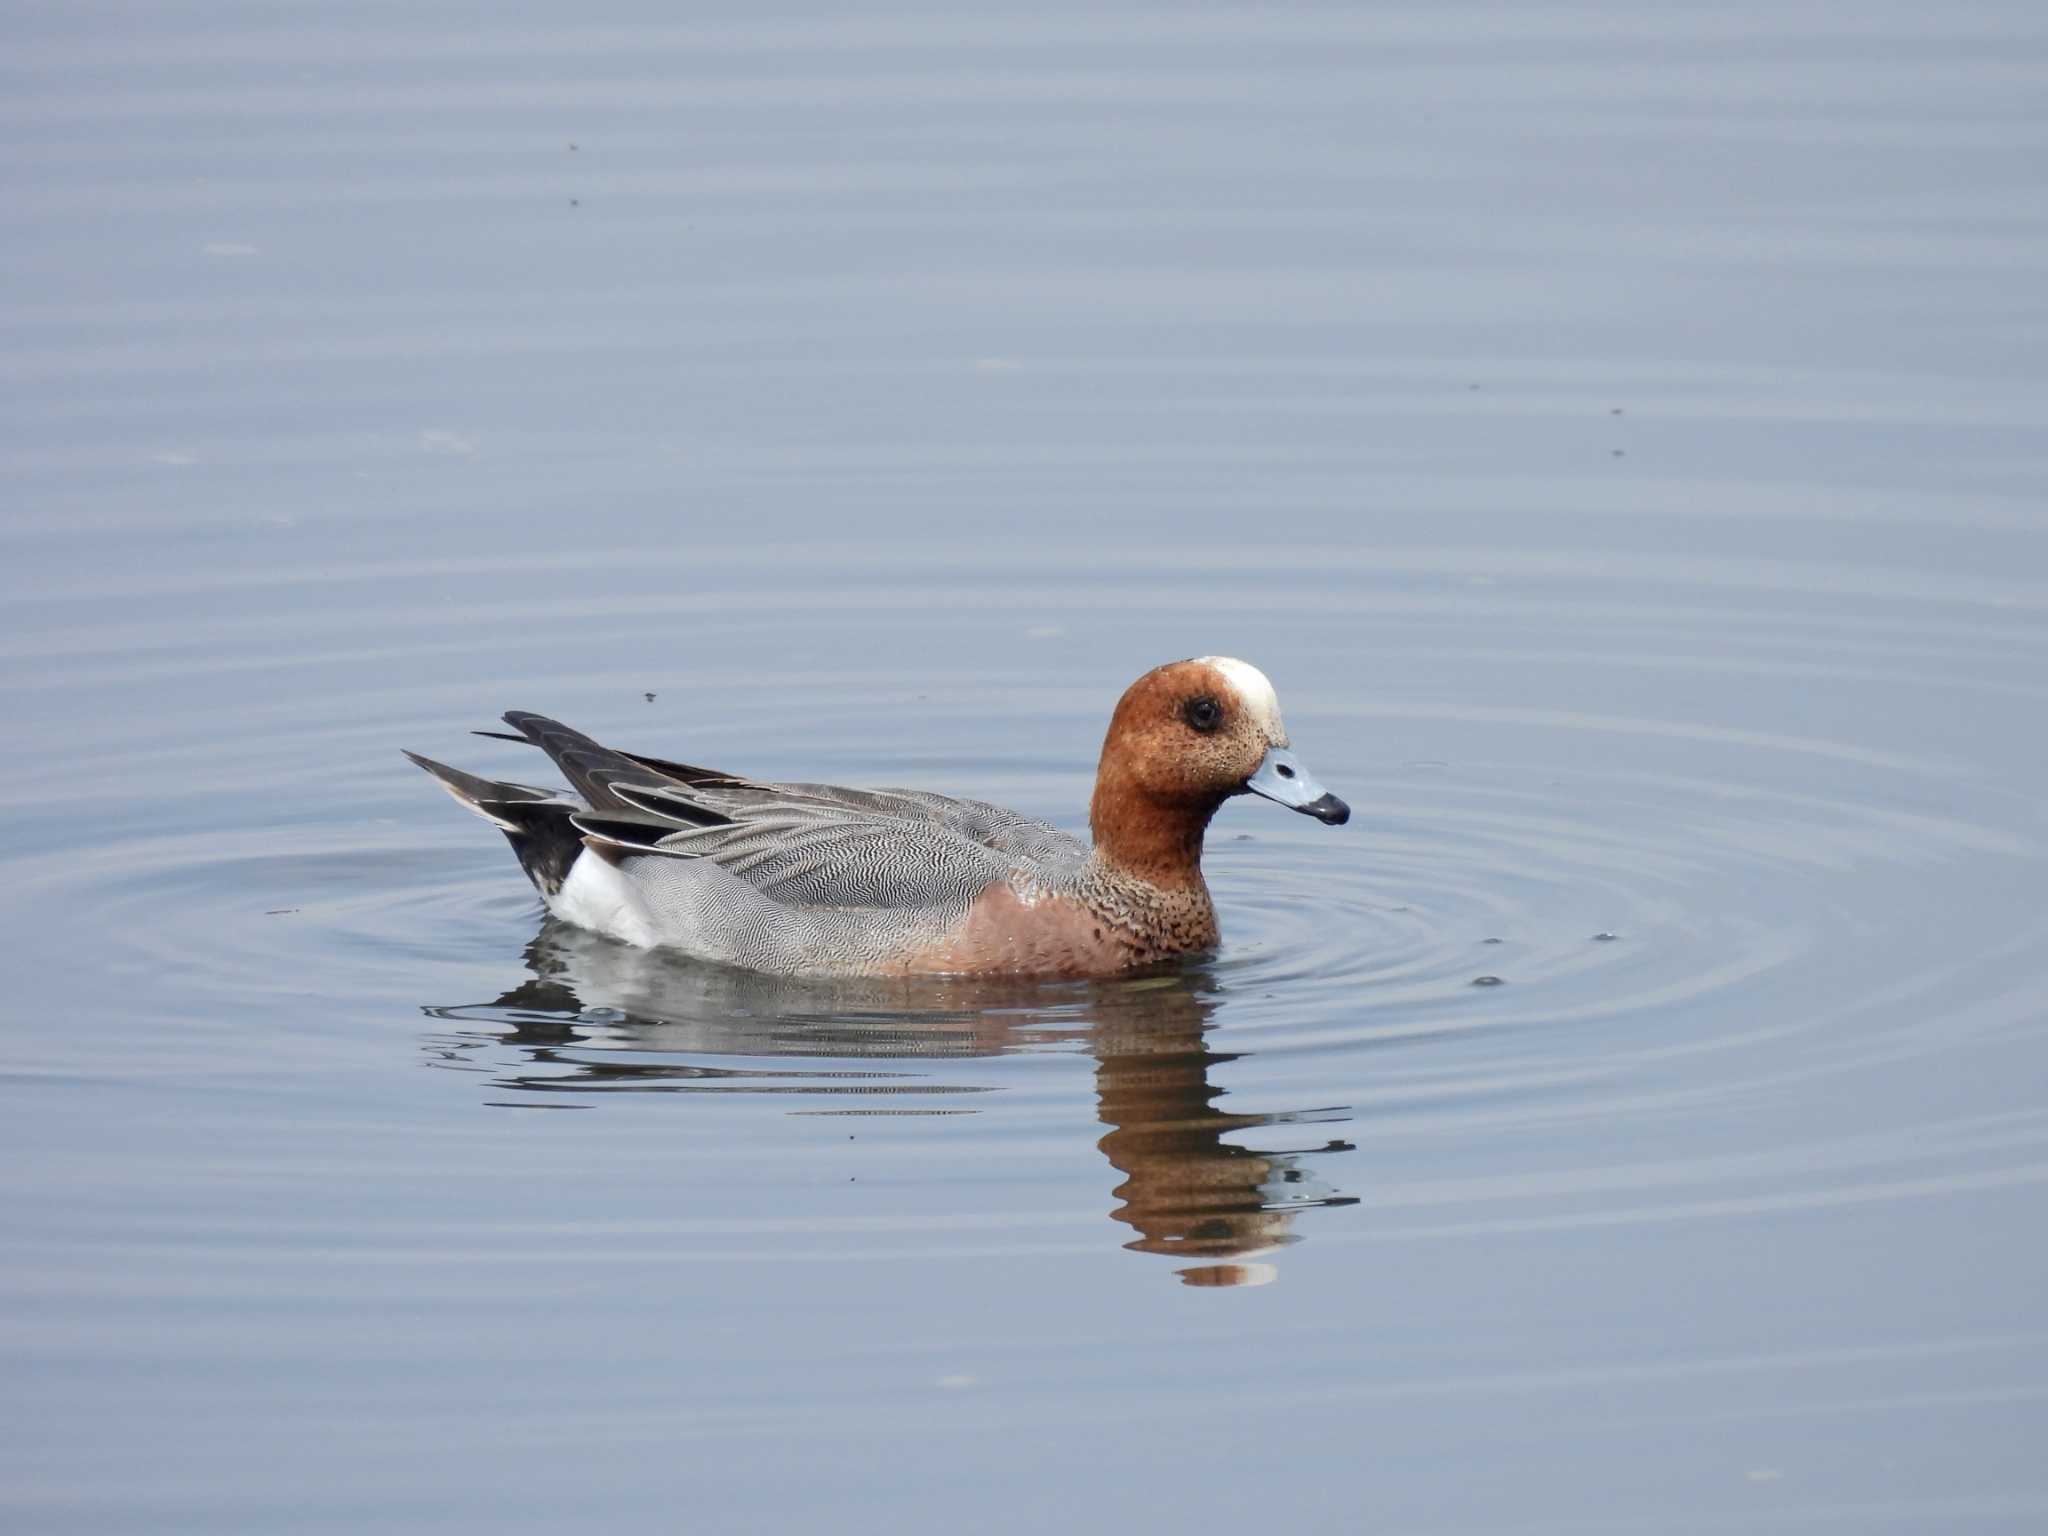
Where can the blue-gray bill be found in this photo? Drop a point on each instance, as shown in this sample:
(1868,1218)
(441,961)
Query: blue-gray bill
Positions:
(1281,778)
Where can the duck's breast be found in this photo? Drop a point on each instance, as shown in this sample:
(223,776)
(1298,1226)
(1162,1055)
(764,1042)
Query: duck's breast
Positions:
(1018,928)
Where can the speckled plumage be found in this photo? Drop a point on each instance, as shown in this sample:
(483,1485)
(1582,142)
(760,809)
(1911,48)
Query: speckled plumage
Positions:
(819,879)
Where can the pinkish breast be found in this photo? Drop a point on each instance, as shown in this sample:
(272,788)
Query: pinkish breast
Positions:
(1005,935)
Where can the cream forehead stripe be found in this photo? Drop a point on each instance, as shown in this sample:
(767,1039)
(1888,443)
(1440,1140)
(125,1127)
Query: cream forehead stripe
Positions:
(1254,691)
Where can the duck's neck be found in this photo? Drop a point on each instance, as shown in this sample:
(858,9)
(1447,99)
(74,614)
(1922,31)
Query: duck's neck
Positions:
(1158,842)
(1144,880)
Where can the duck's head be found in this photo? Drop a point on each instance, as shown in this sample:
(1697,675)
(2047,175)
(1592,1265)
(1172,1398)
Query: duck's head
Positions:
(1188,735)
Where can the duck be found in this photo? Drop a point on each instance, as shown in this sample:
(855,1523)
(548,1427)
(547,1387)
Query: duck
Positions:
(804,879)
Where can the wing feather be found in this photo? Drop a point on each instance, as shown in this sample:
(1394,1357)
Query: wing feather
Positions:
(801,844)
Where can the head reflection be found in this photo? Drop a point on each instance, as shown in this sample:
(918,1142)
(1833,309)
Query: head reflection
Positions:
(1200,1184)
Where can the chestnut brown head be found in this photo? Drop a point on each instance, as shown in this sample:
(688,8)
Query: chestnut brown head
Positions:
(1188,735)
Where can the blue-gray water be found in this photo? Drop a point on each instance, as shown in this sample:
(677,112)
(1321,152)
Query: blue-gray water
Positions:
(1618,432)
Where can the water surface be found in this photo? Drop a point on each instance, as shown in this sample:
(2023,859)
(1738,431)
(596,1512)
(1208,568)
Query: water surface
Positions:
(1618,435)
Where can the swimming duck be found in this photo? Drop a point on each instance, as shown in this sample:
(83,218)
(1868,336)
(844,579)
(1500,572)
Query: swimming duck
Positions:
(815,879)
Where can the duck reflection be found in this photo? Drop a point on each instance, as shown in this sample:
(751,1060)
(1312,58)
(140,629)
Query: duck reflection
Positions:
(1187,1192)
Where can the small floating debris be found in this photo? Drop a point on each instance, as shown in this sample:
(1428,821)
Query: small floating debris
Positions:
(1493,941)
(280,911)
(1604,937)
(1487,981)
(648,697)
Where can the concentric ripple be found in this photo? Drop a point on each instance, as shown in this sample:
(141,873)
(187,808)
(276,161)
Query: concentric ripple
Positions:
(1666,899)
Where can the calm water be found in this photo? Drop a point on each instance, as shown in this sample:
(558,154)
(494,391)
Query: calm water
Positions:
(1620,435)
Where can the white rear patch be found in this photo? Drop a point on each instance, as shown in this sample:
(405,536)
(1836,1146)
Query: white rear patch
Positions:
(1255,692)
(596,896)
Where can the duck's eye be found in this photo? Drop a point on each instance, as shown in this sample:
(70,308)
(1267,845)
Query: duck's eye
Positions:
(1203,714)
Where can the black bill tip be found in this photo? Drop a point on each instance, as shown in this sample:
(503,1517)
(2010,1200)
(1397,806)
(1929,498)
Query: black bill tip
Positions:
(1329,810)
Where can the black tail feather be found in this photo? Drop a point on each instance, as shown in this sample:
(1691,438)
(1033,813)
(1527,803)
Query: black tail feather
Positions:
(535,821)
(622,816)
(594,768)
